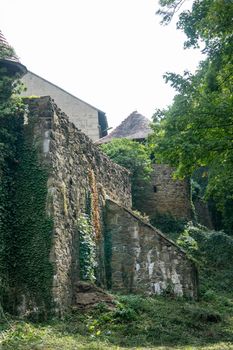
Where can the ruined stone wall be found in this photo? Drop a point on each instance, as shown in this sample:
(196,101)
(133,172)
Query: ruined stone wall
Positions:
(77,178)
(76,166)
(164,195)
(140,259)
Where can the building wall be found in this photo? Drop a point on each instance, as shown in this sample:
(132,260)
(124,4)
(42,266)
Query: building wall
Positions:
(142,260)
(164,195)
(84,116)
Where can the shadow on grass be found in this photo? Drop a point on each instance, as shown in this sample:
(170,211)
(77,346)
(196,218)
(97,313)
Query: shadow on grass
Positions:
(143,322)
(136,323)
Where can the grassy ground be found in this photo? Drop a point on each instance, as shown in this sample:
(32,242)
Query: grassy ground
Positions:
(157,323)
(137,323)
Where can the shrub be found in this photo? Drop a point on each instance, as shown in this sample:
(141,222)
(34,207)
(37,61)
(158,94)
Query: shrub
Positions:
(135,157)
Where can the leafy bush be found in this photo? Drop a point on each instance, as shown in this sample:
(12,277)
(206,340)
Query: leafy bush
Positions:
(187,242)
(141,216)
(214,252)
(135,157)
(168,224)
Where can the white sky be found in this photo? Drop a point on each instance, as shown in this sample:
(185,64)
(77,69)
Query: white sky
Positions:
(110,53)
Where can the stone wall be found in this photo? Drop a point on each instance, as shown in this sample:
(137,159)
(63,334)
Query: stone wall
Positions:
(78,171)
(164,195)
(141,259)
(83,115)
(78,179)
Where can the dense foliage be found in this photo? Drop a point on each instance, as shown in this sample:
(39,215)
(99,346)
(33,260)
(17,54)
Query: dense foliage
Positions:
(25,229)
(197,129)
(11,120)
(11,111)
(213,252)
(29,240)
(135,157)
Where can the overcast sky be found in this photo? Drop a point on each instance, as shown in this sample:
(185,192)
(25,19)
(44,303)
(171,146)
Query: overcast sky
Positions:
(110,53)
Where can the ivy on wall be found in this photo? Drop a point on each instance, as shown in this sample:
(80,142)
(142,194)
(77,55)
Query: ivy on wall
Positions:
(25,232)
(11,123)
(87,248)
(25,229)
(31,271)
(89,232)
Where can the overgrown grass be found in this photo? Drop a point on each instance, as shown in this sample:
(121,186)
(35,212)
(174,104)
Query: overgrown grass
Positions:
(137,323)
(140,322)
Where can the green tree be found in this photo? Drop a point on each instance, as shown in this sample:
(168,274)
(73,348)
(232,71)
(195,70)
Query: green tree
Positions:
(135,157)
(197,129)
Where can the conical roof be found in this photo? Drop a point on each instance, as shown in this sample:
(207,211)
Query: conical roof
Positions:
(135,127)
(9,59)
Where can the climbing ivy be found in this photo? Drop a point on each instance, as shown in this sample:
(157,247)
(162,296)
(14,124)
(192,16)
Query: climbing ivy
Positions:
(11,122)
(87,248)
(25,229)
(30,270)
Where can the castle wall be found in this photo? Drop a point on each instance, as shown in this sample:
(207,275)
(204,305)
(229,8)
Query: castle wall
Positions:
(74,163)
(164,195)
(142,260)
(62,175)
(84,116)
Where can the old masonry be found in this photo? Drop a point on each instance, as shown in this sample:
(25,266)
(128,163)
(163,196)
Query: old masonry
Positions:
(62,176)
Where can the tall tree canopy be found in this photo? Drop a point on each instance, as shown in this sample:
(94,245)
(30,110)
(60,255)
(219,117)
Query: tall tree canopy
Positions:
(197,129)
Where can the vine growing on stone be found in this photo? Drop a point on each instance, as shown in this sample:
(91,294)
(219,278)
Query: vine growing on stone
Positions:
(87,248)
(11,122)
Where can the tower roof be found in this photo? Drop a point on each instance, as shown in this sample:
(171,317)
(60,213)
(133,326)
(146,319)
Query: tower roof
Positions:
(9,59)
(134,127)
